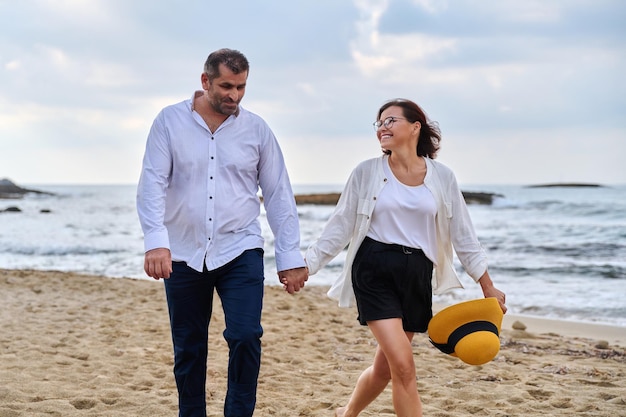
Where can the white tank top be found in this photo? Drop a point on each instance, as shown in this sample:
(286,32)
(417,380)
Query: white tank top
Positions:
(405,215)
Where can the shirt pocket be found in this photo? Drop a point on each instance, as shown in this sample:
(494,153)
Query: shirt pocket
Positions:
(363,210)
(448,208)
(363,207)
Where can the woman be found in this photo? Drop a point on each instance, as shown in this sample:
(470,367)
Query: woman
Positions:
(401,214)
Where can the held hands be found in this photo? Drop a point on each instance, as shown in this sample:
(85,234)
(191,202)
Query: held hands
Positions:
(293,279)
(158,263)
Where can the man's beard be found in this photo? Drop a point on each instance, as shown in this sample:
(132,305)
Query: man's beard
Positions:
(226,108)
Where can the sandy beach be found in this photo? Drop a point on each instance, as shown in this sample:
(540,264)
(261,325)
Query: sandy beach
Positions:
(78,345)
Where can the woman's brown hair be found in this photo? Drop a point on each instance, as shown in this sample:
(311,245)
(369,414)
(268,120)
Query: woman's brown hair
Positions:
(430,135)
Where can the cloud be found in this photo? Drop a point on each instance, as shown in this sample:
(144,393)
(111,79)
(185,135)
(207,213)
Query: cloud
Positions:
(86,79)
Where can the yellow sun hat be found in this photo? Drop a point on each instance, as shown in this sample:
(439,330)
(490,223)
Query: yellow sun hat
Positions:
(469,330)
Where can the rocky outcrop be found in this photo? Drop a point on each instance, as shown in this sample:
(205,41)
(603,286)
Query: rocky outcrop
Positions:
(9,190)
(479,197)
(565,184)
(332,198)
(323,199)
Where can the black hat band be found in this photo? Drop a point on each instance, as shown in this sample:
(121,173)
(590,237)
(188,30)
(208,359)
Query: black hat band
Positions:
(464,330)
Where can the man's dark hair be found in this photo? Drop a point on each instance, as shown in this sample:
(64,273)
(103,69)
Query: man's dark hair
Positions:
(234,60)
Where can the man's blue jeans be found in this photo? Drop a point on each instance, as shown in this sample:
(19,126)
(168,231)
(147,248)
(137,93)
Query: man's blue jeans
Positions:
(239,285)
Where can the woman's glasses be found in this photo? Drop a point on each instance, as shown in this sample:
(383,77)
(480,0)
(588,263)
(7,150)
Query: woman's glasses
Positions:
(388,122)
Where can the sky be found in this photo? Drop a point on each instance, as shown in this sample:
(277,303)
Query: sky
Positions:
(524,91)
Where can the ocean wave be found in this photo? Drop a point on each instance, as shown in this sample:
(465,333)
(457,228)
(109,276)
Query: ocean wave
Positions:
(612,316)
(590,271)
(585,250)
(61,251)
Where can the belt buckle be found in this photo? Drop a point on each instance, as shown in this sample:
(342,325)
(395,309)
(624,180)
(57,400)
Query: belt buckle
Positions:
(406,250)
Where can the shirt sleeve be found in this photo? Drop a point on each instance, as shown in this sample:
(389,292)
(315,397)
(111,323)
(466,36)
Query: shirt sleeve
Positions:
(153,181)
(339,229)
(463,235)
(280,204)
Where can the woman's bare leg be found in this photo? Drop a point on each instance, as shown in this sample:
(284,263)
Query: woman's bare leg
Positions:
(393,360)
(396,345)
(369,386)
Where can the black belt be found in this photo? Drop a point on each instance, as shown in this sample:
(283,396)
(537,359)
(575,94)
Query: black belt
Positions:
(398,248)
(405,249)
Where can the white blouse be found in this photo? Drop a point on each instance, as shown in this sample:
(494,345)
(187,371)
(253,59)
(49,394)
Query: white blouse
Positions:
(405,215)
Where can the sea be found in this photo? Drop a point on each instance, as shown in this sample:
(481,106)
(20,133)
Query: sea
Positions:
(557,252)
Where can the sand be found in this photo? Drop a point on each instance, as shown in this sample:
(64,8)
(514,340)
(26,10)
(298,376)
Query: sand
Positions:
(78,345)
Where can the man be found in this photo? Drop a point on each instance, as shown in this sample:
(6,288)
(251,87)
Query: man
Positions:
(197,202)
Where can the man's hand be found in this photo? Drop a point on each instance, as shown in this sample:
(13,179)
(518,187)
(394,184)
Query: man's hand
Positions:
(293,279)
(158,263)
